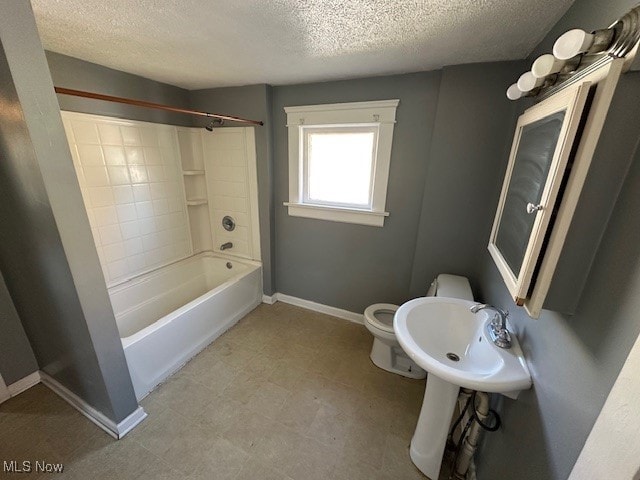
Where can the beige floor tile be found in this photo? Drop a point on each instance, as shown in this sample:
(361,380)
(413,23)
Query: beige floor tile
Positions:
(299,412)
(349,468)
(219,415)
(242,388)
(233,354)
(277,445)
(247,429)
(183,394)
(158,431)
(286,394)
(256,470)
(285,374)
(213,374)
(268,399)
(309,460)
(397,461)
(365,442)
(330,427)
(219,460)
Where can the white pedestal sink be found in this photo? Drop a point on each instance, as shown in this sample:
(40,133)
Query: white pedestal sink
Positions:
(450,342)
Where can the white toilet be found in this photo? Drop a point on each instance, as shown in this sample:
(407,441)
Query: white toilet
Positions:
(386,352)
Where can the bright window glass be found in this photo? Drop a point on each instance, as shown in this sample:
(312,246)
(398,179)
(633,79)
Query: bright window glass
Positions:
(339,166)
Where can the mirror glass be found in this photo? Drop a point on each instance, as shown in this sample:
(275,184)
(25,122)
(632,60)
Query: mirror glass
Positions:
(537,144)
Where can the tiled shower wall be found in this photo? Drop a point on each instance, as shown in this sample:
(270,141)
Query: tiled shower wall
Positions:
(131,181)
(230,165)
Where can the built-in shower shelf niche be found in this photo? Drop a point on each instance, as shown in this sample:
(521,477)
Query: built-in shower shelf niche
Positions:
(195,188)
(194,202)
(220,180)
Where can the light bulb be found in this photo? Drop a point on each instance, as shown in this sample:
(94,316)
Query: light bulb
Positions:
(513,92)
(572,43)
(546,65)
(528,82)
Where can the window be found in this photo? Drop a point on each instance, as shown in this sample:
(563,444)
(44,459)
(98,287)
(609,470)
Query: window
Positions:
(339,161)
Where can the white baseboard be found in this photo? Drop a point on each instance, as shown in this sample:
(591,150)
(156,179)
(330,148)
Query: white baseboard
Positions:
(316,307)
(23,384)
(270,300)
(116,430)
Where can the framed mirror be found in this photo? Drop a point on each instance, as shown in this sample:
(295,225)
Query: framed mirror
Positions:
(540,153)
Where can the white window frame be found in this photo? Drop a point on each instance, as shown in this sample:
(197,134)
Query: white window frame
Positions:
(378,117)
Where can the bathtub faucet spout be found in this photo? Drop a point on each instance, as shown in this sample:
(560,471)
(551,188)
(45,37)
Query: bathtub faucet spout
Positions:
(224,246)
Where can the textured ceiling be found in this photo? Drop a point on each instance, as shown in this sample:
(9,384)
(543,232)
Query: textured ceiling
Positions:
(212,43)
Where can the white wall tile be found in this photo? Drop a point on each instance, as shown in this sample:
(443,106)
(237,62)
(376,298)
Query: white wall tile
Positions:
(141,193)
(114,155)
(138,174)
(149,136)
(90,155)
(95,176)
(131,180)
(118,175)
(123,194)
(133,246)
(126,212)
(152,156)
(135,155)
(113,252)
(144,209)
(130,229)
(118,270)
(100,196)
(148,225)
(130,136)
(110,234)
(85,133)
(109,134)
(136,263)
(157,190)
(156,173)
(105,216)
(160,206)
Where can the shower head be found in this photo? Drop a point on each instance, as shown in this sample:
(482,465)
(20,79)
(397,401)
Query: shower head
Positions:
(215,122)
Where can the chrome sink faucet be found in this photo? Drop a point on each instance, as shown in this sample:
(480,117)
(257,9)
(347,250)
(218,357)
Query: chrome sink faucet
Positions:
(224,246)
(497,329)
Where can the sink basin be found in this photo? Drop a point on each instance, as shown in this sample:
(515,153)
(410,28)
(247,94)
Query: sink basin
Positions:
(451,343)
(446,339)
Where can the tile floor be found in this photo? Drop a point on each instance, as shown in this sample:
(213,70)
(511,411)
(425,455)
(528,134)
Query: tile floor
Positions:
(285,394)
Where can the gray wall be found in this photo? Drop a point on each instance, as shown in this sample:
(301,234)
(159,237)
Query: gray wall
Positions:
(472,127)
(69,72)
(16,357)
(47,255)
(345,265)
(253,102)
(574,360)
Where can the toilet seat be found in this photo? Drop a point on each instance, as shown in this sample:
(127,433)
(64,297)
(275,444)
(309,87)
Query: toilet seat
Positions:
(380,316)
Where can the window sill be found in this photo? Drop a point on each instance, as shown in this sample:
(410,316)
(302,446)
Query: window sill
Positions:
(337,214)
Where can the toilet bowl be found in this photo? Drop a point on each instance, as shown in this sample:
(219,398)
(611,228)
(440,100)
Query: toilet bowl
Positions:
(386,352)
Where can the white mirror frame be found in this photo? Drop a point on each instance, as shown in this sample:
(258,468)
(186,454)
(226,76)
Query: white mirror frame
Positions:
(533,296)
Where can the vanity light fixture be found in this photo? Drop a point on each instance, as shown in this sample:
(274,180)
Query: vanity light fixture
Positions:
(577,41)
(576,53)
(546,64)
(513,92)
(528,82)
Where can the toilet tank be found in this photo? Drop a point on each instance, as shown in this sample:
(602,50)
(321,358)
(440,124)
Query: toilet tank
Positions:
(453,286)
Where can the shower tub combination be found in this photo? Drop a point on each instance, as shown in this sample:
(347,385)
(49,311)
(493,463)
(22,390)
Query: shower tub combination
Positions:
(167,316)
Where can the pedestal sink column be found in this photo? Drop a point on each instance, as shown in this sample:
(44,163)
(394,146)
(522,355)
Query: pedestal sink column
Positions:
(430,437)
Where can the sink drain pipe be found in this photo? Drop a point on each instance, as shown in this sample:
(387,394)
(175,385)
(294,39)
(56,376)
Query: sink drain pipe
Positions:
(475,411)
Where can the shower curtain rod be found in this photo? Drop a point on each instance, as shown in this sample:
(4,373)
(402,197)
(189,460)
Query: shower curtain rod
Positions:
(158,106)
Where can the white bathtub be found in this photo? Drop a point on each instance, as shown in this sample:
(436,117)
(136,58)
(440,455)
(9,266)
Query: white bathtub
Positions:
(167,316)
